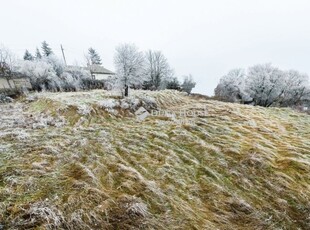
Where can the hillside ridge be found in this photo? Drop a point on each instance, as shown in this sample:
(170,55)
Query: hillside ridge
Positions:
(83,160)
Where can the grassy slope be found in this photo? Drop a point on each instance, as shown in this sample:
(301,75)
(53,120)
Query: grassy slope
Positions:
(240,167)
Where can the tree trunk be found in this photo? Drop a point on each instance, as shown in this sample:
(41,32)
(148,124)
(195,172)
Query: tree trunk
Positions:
(9,83)
(126,91)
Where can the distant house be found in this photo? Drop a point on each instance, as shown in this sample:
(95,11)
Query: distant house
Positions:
(98,72)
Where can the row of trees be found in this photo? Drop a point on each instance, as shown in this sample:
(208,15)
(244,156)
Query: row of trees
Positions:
(264,85)
(47,72)
(92,58)
(134,69)
(149,70)
(46,50)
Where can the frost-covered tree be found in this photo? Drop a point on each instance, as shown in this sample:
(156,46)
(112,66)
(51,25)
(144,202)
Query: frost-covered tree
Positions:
(44,73)
(38,54)
(41,73)
(7,60)
(28,56)
(43,76)
(47,51)
(78,72)
(93,57)
(157,69)
(296,88)
(265,84)
(231,86)
(7,64)
(57,64)
(75,78)
(129,63)
(188,84)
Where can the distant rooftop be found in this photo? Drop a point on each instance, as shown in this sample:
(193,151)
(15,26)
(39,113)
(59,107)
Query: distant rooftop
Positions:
(98,69)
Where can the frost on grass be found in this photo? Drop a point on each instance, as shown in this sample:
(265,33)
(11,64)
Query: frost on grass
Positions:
(109,103)
(37,213)
(42,122)
(136,207)
(239,167)
(130,103)
(84,109)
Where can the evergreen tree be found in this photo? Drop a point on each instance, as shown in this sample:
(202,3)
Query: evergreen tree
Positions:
(46,49)
(28,56)
(94,57)
(38,54)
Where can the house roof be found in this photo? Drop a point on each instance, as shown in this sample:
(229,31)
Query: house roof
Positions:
(98,69)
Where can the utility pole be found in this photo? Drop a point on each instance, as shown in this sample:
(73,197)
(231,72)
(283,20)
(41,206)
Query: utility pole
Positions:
(63,54)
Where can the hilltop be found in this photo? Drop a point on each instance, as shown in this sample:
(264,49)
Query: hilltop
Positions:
(84,160)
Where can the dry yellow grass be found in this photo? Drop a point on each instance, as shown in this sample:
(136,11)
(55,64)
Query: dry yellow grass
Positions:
(83,161)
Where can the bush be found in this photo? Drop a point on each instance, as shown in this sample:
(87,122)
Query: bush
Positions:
(5,99)
(173,84)
(49,74)
(264,85)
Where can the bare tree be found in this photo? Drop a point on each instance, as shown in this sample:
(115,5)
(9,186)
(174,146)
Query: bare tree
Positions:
(7,64)
(129,63)
(157,69)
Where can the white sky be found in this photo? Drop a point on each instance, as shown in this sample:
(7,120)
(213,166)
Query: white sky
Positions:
(206,38)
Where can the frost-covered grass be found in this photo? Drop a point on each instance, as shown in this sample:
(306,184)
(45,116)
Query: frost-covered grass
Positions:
(68,161)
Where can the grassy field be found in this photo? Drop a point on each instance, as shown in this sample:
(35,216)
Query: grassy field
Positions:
(84,161)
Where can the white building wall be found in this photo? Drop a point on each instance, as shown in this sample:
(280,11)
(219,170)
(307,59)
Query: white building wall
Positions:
(22,83)
(4,83)
(15,83)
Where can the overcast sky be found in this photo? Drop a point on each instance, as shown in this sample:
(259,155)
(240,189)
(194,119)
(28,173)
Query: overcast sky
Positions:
(206,38)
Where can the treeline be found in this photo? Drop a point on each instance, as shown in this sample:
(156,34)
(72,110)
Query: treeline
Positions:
(134,69)
(47,72)
(264,85)
(148,70)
